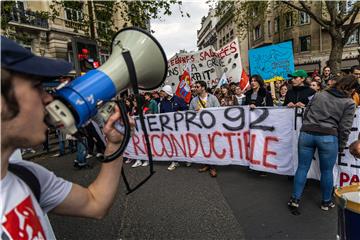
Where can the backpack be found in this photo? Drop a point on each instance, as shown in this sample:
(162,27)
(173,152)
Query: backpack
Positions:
(28,177)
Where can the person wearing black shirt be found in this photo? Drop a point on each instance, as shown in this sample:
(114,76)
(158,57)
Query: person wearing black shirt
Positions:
(258,96)
(300,94)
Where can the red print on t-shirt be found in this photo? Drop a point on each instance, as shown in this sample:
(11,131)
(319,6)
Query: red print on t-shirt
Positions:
(22,222)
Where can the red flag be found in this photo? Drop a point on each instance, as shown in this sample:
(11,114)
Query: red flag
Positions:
(244,81)
(183,89)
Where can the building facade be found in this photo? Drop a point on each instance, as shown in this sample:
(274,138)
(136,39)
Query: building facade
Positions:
(220,30)
(207,36)
(54,38)
(311,43)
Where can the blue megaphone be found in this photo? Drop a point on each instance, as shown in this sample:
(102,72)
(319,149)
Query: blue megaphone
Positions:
(78,101)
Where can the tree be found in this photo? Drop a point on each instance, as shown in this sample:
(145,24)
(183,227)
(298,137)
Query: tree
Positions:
(135,13)
(338,20)
(335,17)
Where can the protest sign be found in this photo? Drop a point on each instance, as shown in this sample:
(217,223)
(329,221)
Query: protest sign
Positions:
(272,62)
(208,64)
(265,139)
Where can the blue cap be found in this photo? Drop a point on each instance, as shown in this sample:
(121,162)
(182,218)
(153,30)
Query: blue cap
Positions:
(16,58)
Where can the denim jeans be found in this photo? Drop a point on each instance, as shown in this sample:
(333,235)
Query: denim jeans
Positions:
(61,142)
(81,151)
(327,146)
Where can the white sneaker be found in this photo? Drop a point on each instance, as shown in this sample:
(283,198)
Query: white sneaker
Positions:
(137,164)
(99,155)
(173,166)
(89,156)
(127,161)
(145,164)
(188,164)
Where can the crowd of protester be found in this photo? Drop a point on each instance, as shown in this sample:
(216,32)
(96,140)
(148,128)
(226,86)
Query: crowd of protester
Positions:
(295,92)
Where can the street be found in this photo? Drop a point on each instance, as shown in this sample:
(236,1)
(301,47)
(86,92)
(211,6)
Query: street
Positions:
(185,204)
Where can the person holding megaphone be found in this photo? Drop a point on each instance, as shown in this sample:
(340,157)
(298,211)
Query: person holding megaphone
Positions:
(25,112)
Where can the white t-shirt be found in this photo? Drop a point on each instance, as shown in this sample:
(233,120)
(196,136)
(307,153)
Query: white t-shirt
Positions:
(21,215)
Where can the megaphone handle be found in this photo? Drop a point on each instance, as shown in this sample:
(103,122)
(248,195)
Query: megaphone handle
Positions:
(127,130)
(134,83)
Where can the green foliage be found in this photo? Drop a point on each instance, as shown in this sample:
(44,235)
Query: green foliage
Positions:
(139,13)
(336,17)
(135,13)
(6,9)
(77,5)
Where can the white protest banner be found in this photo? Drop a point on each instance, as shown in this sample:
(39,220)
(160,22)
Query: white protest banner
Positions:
(272,131)
(220,136)
(208,64)
(348,167)
(265,139)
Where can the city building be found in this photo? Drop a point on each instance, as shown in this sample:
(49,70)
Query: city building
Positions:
(311,43)
(220,30)
(207,36)
(31,26)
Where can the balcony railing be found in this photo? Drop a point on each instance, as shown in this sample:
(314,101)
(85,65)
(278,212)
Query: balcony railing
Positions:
(75,25)
(28,17)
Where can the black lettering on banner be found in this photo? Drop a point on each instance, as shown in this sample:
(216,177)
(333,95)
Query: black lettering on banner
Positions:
(136,119)
(196,76)
(299,113)
(151,123)
(203,122)
(193,67)
(173,71)
(164,120)
(230,115)
(178,117)
(340,163)
(206,74)
(189,117)
(260,119)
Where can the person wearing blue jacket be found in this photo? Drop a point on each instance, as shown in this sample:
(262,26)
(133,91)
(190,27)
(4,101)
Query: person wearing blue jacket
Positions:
(171,103)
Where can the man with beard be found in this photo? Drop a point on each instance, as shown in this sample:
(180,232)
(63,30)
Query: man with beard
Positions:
(203,100)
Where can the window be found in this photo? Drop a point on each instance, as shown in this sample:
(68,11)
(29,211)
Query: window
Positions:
(102,28)
(73,14)
(354,38)
(257,32)
(276,24)
(288,19)
(232,34)
(269,28)
(305,43)
(304,18)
